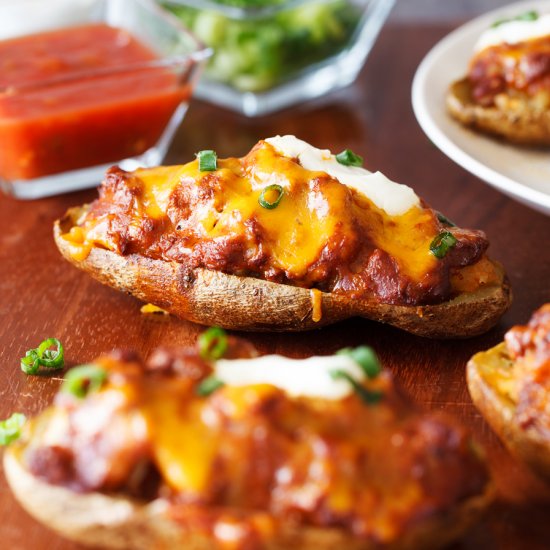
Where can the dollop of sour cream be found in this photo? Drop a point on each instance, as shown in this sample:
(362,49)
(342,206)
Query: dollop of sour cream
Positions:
(514,32)
(394,198)
(297,377)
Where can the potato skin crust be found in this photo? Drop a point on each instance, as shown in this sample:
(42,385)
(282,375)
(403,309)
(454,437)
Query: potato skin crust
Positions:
(114,521)
(522,124)
(245,303)
(527,444)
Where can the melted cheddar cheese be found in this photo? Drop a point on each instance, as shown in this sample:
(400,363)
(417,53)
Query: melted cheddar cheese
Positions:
(252,456)
(322,234)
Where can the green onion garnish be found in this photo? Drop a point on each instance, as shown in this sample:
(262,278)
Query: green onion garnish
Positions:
(43,356)
(30,363)
(367,396)
(51,359)
(208,161)
(349,158)
(208,386)
(443,219)
(10,429)
(531,15)
(270,204)
(213,343)
(83,380)
(442,244)
(366,358)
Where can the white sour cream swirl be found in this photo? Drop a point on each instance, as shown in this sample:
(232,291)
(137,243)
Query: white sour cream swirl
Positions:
(297,377)
(514,32)
(394,198)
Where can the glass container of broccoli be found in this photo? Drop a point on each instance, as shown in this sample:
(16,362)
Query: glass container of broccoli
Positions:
(269,54)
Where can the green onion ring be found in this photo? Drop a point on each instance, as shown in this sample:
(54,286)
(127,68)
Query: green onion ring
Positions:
(208,386)
(264,203)
(442,244)
(51,359)
(10,429)
(84,380)
(348,158)
(213,343)
(208,160)
(367,396)
(366,358)
(31,362)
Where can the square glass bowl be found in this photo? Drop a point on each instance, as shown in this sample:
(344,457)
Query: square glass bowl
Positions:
(269,54)
(86,111)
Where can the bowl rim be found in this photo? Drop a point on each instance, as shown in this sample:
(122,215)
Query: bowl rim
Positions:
(256,12)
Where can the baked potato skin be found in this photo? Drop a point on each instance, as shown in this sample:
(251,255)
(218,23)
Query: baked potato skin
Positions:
(111,521)
(245,303)
(514,120)
(528,444)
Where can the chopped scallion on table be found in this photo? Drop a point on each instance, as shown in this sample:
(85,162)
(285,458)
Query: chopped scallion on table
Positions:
(10,429)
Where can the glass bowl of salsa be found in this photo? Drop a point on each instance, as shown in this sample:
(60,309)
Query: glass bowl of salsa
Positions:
(269,54)
(87,84)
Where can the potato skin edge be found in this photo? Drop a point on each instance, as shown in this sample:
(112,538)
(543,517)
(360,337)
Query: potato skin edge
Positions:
(528,445)
(115,521)
(527,126)
(249,304)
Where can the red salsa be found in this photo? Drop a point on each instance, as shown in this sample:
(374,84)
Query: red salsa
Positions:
(67,102)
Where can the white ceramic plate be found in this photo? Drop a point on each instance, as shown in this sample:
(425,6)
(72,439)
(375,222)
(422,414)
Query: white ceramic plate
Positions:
(521,173)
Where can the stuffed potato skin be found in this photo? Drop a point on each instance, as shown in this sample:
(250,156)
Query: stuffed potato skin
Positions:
(244,303)
(514,119)
(511,391)
(358,475)
(118,522)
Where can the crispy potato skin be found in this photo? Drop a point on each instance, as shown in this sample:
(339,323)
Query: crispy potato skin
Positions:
(114,521)
(513,120)
(245,303)
(499,411)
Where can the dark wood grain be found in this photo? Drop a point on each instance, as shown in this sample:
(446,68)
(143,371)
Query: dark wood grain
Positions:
(42,296)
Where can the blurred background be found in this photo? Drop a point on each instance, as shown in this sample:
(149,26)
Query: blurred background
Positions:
(441,10)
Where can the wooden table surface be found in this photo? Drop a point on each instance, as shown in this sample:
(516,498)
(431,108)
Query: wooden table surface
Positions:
(42,295)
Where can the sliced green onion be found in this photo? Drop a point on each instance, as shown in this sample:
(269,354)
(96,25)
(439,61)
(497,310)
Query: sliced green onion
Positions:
(30,363)
(366,358)
(265,202)
(442,244)
(43,356)
(208,386)
(213,343)
(349,158)
(367,396)
(83,380)
(10,429)
(443,219)
(208,161)
(51,359)
(531,15)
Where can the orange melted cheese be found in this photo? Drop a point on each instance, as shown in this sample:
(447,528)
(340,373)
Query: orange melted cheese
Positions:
(314,209)
(497,369)
(256,450)
(186,437)
(79,243)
